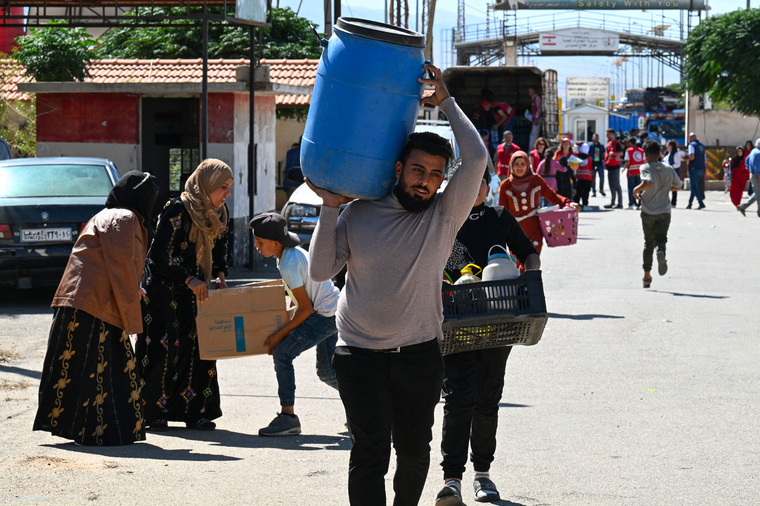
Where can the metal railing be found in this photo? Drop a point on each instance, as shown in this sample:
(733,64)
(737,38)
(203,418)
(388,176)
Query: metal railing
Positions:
(501,28)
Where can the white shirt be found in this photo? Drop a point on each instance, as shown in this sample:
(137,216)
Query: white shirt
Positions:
(294,269)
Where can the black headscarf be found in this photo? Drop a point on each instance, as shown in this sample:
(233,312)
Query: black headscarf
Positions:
(136,191)
(737,160)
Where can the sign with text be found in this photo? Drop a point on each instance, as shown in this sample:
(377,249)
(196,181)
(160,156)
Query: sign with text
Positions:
(251,11)
(691,5)
(578,40)
(589,88)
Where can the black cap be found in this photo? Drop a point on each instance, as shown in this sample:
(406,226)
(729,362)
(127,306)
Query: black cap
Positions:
(274,227)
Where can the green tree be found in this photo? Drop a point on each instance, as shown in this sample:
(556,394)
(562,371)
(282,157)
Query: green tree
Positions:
(18,125)
(721,56)
(289,37)
(55,53)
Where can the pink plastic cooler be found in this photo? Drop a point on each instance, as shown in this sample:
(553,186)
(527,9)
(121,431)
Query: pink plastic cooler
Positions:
(559,226)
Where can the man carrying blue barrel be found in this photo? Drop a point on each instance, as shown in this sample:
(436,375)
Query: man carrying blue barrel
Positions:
(388,362)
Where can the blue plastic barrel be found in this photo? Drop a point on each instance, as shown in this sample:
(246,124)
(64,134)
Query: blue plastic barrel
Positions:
(364,106)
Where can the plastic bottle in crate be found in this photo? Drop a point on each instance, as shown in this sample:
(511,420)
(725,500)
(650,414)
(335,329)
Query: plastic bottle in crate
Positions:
(500,266)
(468,276)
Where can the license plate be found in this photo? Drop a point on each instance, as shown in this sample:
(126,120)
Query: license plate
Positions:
(45,234)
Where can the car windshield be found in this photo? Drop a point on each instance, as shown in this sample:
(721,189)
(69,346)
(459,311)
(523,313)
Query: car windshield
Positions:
(676,130)
(54,180)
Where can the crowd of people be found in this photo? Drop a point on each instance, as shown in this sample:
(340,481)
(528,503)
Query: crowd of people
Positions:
(576,170)
(377,339)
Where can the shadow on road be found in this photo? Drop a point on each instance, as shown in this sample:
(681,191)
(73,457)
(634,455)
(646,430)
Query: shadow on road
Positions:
(585,316)
(233,439)
(143,450)
(510,405)
(24,302)
(695,295)
(21,371)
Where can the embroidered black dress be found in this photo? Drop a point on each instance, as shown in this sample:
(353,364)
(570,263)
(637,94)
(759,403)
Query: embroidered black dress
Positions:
(89,389)
(176,384)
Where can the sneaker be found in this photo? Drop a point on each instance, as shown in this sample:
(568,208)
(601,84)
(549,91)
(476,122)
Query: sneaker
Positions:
(609,206)
(688,207)
(450,495)
(701,206)
(282,425)
(662,264)
(630,207)
(593,194)
(603,194)
(619,206)
(485,490)
(741,210)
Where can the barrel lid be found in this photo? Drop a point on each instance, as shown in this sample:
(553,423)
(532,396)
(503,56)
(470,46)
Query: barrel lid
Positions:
(380,31)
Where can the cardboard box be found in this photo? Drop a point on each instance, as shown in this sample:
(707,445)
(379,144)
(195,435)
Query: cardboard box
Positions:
(235,322)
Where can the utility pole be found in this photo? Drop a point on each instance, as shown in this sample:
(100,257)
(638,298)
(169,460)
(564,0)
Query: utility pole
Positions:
(429,35)
(328,19)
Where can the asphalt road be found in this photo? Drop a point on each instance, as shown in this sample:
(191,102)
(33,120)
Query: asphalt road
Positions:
(632,397)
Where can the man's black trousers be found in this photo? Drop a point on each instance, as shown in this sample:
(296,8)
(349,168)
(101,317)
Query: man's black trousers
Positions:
(389,396)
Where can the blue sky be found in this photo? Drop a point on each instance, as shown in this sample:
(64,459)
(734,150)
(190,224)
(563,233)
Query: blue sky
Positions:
(638,71)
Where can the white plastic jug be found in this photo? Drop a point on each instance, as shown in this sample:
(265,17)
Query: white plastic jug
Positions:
(468,276)
(500,265)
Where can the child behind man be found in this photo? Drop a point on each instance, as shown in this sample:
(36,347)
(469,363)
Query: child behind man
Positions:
(313,323)
(657,181)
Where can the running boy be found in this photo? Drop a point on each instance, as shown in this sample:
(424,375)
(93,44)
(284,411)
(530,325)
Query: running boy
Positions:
(313,323)
(657,181)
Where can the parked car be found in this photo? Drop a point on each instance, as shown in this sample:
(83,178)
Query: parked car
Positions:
(44,203)
(302,208)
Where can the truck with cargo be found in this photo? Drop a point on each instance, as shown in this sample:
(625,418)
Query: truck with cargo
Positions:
(661,127)
(509,84)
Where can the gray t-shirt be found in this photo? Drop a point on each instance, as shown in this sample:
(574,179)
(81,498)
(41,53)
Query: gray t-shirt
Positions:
(395,257)
(656,200)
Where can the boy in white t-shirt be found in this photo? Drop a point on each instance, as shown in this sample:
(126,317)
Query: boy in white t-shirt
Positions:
(313,323)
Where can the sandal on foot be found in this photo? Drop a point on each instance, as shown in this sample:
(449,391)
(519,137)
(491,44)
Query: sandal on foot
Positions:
(449,496)
(158,425)
(647,281)
(202,424)
(485,490)
(662,263)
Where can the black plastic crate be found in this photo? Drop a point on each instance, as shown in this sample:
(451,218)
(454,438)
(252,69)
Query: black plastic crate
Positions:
(493,313)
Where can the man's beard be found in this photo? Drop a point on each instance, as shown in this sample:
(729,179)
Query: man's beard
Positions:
(411,202)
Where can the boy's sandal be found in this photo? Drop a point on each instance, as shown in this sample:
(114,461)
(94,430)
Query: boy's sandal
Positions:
(647,281)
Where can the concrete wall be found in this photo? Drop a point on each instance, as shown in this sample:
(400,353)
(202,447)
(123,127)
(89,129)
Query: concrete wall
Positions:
(721,128)
(264,196)
(125,156)
(288,132)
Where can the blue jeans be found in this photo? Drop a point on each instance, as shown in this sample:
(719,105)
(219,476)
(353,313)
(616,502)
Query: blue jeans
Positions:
(598,171)
(633,182)
(317,330)
(695,175)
